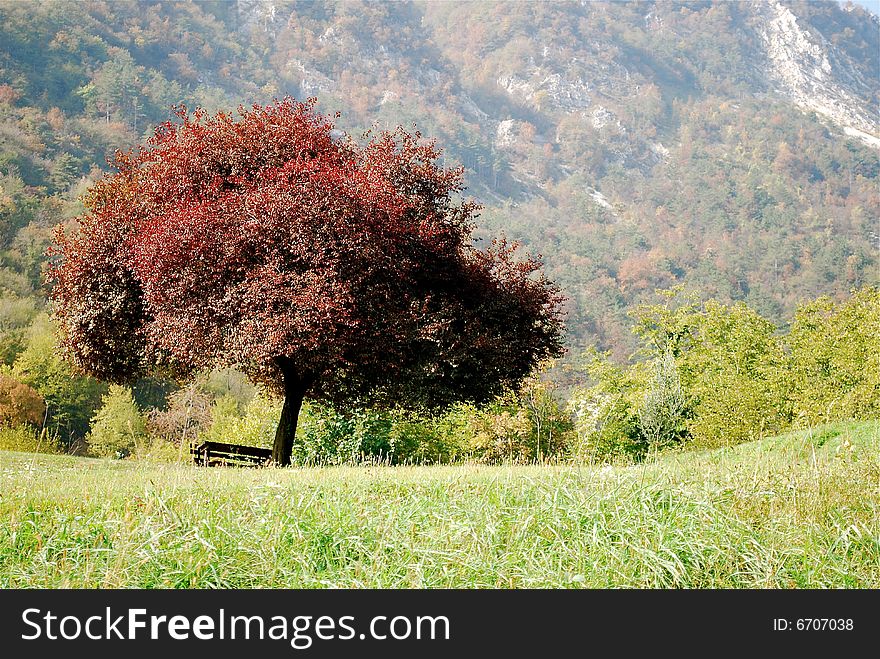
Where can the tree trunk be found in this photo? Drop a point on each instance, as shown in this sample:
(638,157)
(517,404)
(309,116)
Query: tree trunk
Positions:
(294,391)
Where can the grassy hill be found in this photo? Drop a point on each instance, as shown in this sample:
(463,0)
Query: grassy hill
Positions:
(798,510)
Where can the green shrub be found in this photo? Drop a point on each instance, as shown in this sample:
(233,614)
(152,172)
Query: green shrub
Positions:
(523,426)
(118,428)
(502,432)
(327,436)
(453,435)
(16,315)
(710,374)
(28,439)
(438,439)
(225,420)
(253,426)
(161,450)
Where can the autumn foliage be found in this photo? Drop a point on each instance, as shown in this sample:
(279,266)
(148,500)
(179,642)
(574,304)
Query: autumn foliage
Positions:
(20,403)
(321,267)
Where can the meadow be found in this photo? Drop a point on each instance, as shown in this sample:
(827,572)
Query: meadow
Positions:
(795,511)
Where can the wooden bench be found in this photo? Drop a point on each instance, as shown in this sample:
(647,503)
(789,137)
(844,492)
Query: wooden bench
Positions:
(218,454)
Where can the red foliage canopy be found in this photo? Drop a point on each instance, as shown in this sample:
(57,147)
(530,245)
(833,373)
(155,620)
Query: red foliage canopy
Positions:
(262,242)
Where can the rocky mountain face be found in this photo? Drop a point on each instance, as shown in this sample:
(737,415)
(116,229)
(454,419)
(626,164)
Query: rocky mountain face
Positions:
(730,147)
(805,66)
(601,62)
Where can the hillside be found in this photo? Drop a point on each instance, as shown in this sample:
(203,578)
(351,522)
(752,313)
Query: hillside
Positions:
(729,146)
(797,511)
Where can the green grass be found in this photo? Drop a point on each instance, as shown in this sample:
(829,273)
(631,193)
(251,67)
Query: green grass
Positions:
(800,510)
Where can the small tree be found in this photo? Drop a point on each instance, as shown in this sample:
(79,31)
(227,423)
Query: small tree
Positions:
(118,428)
(20,404)
(187,412)
(550,424)
(605,414)
(662,414)
(320,267)
(70,398)
(730,362)
(834,358)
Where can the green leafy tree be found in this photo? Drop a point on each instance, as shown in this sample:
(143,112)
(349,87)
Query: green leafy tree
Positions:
(118,428)
(16,315)
(70,398)
(18,204)
(605,413)
(116,87)
(834,366)
(731,365)
(663,413)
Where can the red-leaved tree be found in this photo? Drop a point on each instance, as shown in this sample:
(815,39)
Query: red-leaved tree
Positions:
(321,267)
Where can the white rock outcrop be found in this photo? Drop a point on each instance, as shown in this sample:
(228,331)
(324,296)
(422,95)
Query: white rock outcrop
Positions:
(804,66)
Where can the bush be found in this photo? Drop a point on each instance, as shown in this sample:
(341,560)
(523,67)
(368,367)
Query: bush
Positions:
(524,426)
(160,450)
(118,428)
(326,436)
(255,426)
(28,440)
(501,433)
(16,315)
(513,428)
(453,435)
(443,438)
